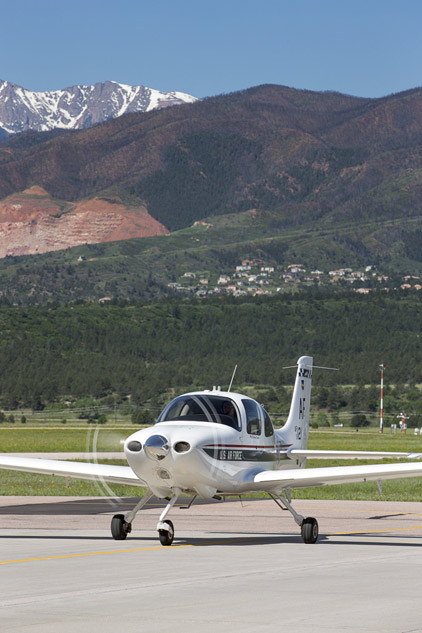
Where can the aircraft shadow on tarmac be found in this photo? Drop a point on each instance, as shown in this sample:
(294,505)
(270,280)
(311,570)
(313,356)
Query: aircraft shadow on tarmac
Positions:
(94,506)
(76,507)
(221,541)
(89,506)
(225,539)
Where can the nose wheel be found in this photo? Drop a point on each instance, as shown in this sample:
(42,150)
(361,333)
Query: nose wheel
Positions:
(166,533)
(165,528)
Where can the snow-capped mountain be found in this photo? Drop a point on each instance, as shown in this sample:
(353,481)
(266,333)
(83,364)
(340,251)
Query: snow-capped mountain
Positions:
(78,106)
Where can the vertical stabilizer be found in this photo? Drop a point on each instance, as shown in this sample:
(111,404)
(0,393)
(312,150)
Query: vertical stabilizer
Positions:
(295,431)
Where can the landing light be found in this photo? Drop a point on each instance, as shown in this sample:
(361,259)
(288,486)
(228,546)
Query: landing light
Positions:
(164,474)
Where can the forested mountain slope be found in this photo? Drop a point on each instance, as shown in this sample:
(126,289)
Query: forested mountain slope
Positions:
(143,350)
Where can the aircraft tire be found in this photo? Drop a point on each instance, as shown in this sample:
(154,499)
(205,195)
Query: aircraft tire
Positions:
(166,536)
(119,527)
(309,530)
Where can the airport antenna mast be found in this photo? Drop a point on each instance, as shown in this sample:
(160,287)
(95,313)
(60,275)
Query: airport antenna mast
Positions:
(382,367)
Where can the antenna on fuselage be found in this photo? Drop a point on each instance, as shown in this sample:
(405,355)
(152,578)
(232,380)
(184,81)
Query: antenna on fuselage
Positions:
(231,382)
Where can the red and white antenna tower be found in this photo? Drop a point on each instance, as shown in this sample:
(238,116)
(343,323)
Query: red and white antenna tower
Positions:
(382,366)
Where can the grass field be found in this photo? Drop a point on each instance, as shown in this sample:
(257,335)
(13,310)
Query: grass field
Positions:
(78,440)
(58,440)
(370,440)
(33,484)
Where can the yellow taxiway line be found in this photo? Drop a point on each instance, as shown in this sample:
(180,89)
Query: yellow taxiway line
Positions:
(116,551)
(415,527)
(160,547)
(123,551)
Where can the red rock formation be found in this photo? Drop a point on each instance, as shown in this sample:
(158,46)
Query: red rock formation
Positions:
(33,222)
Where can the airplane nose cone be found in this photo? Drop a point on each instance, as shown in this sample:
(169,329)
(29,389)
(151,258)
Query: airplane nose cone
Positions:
(157,447)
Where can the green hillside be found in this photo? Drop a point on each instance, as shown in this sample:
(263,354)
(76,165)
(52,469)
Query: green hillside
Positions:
(141,269)
(141,351)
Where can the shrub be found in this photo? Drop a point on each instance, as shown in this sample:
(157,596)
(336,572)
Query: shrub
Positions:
(142,416)
(358,420)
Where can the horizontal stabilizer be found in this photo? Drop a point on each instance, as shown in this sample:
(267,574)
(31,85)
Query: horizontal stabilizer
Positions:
(78,470)
(331,454)
(303,478)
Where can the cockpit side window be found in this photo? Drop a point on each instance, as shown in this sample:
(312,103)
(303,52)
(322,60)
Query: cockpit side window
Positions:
(268,425)
(202,408)
(253,418)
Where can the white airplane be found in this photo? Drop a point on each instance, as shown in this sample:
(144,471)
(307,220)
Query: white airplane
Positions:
(217,443)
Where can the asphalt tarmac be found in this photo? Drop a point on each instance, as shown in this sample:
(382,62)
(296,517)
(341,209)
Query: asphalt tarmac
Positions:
(238,567)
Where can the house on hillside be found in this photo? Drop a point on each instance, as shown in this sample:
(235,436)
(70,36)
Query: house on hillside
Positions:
(243,268)
(295,269)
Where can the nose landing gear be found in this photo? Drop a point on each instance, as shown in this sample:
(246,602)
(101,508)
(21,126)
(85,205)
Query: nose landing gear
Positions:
(166,528)
(121,525)
(166,533)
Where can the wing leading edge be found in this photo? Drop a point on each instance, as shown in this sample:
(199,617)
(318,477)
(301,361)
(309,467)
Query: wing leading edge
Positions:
(79,470)
(303,478)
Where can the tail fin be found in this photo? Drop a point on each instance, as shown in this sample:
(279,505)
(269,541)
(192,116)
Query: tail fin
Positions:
(295,431)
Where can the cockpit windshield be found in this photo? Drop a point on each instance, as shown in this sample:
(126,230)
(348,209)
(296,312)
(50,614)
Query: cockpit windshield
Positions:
(202,408)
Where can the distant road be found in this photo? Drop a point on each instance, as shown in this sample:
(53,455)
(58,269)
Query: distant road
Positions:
(97,455)
(46,427)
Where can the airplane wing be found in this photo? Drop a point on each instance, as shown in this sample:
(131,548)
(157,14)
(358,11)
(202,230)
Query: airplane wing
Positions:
(332,454)
(302,478)
(78,470)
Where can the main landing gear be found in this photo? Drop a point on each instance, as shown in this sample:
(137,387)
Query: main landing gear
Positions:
(120,528)
(121,525)
(308,526)
(309,530)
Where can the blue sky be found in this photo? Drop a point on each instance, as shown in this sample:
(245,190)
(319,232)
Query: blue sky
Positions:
(366,48)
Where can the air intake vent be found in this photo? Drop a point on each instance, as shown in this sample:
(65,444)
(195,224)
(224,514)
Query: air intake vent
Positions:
(134,446)
(182,447)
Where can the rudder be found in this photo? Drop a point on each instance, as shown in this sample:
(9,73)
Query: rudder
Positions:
(296,430)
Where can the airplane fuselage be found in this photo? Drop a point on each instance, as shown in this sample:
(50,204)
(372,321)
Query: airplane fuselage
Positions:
(208,457)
